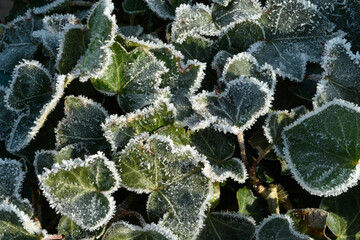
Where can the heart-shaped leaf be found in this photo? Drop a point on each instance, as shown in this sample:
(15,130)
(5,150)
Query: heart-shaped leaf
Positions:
(237,108)
(321,148)
(173,178)
(227,225)
(278,227)
(79,189)
(11,178)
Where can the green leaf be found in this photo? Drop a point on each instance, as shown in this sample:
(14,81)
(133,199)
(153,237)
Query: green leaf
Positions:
(222,2)
(278,227)
(82,124)
(131,31)
(250,205)
(341,71)
(23,205)
(177,134)
(100,36)
(7,116)
(275,123)
(322,146)
(219,61)
(135,88)
(165,9)
(235,12)
(344,214)
(124,231)
(120,129)
(237,108)
(79,189)
(134,6)
(72,231)
(15,224)
(198,47)
(172,177)
(11,178)
(71,48)
(227,225)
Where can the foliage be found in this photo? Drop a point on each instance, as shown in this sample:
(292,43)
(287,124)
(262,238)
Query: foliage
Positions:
(180,120)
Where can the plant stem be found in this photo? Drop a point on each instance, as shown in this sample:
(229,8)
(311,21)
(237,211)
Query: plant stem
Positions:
(240,137)
(125,213)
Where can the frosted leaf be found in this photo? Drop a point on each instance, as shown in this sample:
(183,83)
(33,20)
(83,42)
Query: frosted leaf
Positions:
(178,135)
(119,130)
(82,124)
(71,48)
(134,6)
(50,7)
(222,2)
(192,21)
(165,9)
(179,193)
(342,71)
(275,123)
(11,178)
(198,47)
(131,31)
(219,61)
(278,227)
(55,23)
(45,159)
(125,231)
(34,91)
(239,37)
(15,224)
(343,214)
(321,148)
(72,231)
(235,12)
(79,189)
(227,225)
(237,107)
(7,116)
(132,76)
(23,205)
(100,36)
(244,64)
(19,42)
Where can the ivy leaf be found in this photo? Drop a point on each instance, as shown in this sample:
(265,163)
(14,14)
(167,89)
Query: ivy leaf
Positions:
(222,2)
(11,178)
(33,94)
(100,36)
(295,32)
(82,124)
(134,6)
(219,61)
(278,227)
(72,231)
(165,9)
(49,7)
(7,116)
(275,123)
(131,31)
(344,214)
(237,108)
(235,12)
(198,47)
(23,205)
(15,224)
(125,231)
(227,225)
(79,189)
(249,204)
(173,179)
(120,129)
(321,148)
(177,134)
(341,71)
(135,88)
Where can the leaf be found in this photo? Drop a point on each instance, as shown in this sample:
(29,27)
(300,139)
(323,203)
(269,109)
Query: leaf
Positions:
(165,9)
(341,69)
(36,94)
(219,61)
(131,31)
(23,205)
(100,36)
(50,7)
(275,123)
(125,231)
(71,48)
(15,224)
(343,214)
(79,189)
(7,116)
(278,227)
(222,2)
(295,32)
(311,221)
(237,107)
(199,48)
(11,178)
(134,6)
(250,205)
(177,134)
(173,179)
(82,124)
(72,231)
(227,225)
(133,76)
(235,12)
(321,148)
(120,129)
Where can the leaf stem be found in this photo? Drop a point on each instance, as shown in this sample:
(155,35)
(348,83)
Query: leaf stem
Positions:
(240,138)
(125,213)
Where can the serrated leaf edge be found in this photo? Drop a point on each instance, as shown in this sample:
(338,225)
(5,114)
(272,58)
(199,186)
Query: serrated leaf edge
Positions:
(154,8)
(47,8)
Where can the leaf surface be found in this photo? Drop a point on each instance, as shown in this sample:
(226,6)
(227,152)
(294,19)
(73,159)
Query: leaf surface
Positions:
(11,177)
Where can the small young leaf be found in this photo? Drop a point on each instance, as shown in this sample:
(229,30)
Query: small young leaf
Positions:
(344,214)
(321,148)
(72,231)
(227,225)
(124,231)
(278,227)
(250,205)
(79,189)
(11,178)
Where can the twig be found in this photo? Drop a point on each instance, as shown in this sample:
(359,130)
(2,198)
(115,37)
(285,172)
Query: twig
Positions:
(125,213)
(240,137)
